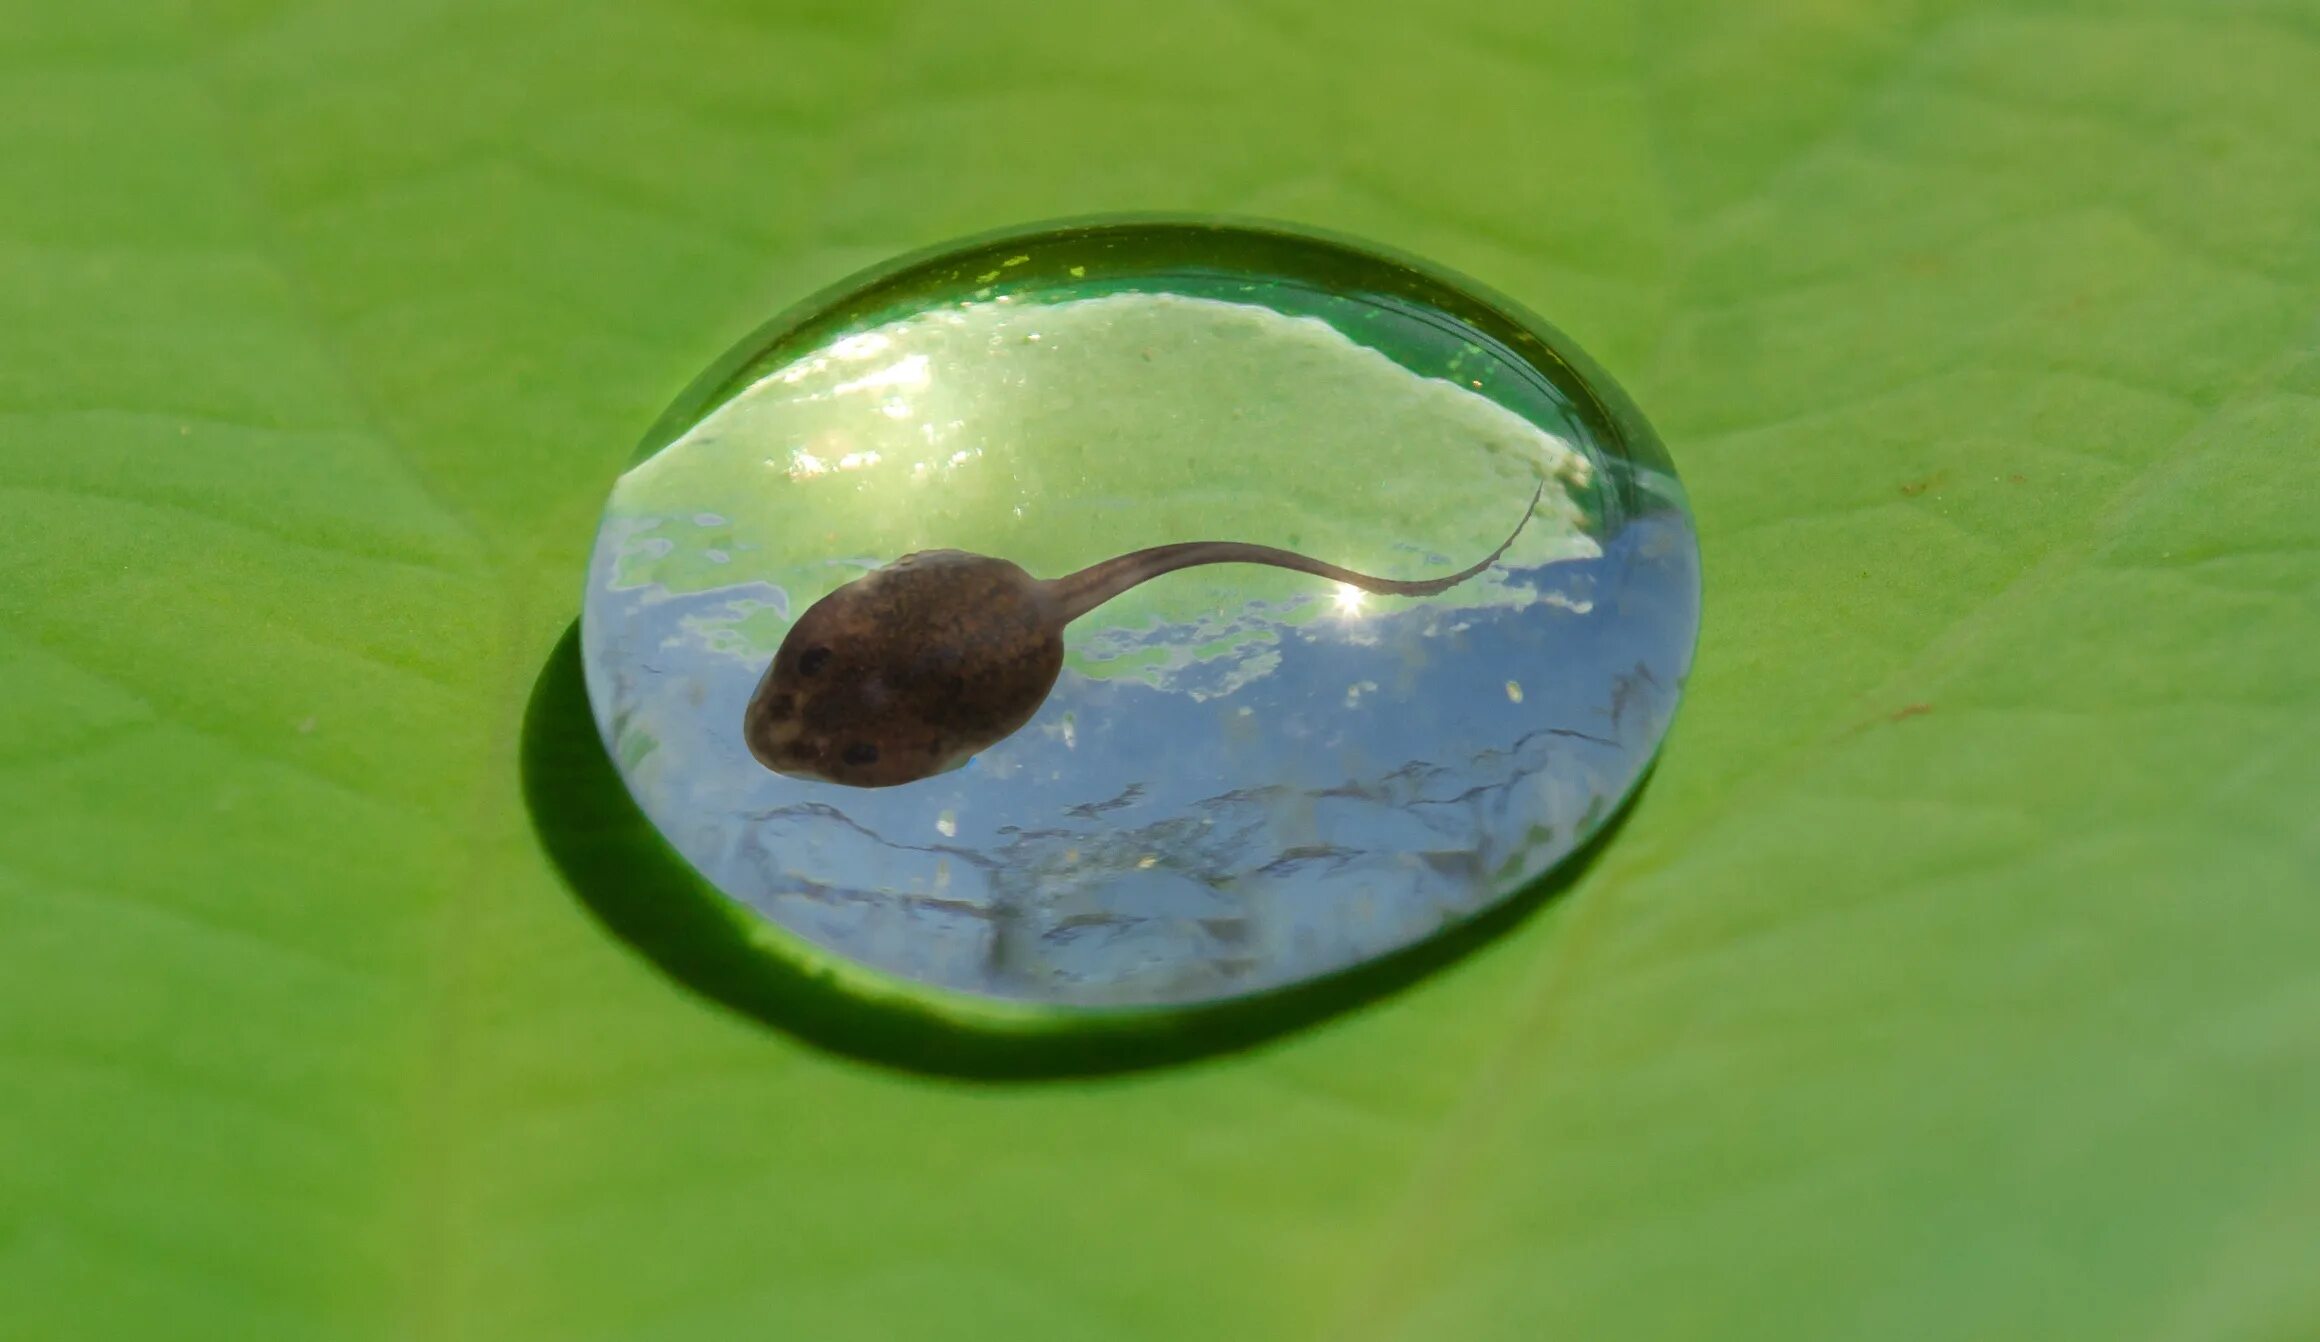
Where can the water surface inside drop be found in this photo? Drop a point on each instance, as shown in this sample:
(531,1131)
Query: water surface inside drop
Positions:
(1244,777)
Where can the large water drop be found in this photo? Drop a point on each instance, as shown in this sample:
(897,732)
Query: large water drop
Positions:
(1244,777)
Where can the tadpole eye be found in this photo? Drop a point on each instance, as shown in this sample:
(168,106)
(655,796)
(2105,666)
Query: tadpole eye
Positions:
(813,660)
(861,752)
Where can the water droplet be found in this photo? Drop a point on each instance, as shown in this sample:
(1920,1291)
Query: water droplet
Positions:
(1244,776)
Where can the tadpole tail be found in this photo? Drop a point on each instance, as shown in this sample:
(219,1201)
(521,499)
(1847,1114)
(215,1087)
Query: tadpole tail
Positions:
(1081,592)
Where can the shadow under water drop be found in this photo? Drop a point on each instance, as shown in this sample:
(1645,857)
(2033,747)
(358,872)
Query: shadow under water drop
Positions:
(630,879)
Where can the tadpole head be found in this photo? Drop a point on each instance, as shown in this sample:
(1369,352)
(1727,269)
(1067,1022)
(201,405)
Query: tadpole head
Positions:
(772,728)
(831,708)
(802,689)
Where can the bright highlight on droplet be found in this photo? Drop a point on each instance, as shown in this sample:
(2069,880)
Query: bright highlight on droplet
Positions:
(1349,599)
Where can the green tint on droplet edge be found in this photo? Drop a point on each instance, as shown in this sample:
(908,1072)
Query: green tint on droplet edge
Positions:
(1367,512)
(1512,357)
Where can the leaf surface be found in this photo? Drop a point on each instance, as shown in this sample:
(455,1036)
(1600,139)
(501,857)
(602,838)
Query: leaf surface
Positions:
(1953,979)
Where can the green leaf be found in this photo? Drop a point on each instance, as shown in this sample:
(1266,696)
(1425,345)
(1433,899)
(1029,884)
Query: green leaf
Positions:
(1953,979)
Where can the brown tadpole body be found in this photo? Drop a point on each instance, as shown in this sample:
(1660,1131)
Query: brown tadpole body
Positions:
(910,670)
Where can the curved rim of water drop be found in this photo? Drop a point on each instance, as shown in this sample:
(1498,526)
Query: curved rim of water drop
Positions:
(1523,331)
